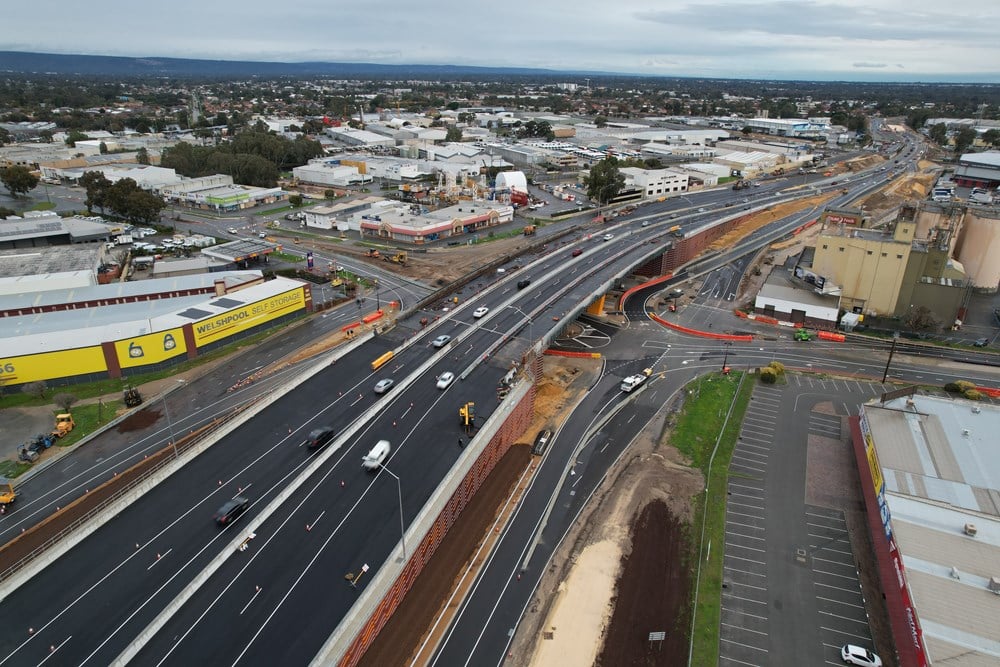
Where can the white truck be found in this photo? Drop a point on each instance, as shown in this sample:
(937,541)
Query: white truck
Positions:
(633,381)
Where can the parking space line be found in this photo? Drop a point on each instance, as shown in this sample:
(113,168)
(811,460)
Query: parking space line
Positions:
(837,588)
(746,444)
(733,485)
(743,546)
(742,599)
(749,560)
(752,516)
(744,537)
(832,601)
(844,618)
(740,662)
(733,569)
(745,525)
(730,641)
(826,516)
(756,507)
(843,632)
(737,627)
(742,585)
(746,467)
(764,457)
(836,551)
(835,562)
(834,574)
(749,462)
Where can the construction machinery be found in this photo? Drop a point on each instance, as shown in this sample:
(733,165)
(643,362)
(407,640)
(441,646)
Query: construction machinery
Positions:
(7,492)
(373,252)
(64,424)
(676,231)
(529,230)
(131,396)
(741,184)
(398,257)
(802,335)
(467,416)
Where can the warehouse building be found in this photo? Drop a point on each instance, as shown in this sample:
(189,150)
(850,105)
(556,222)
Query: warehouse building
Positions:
(930,476)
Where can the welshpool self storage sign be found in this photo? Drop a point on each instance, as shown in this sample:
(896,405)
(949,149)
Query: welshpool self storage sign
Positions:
(246,317)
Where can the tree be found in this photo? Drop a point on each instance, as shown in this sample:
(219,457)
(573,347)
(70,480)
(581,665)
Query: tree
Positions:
(4,136)
(964,139)
(330,194)
(64,400)
(74,136)
(453,134)
(605,181)
(295,200)
(601,121)
(103,148)
(142,156)
(922,319)
(36,389)
(939,134)
(992,137)
(96,185)
(18,180)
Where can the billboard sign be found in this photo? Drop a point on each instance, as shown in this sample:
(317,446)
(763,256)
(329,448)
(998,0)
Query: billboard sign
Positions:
(151,348)
(246,317)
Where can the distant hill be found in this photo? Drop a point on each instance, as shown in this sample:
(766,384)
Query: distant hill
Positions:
(53,63)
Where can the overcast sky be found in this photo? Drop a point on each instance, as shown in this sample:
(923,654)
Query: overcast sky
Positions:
(869,40)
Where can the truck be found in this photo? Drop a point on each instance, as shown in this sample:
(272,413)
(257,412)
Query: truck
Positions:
(676,231)
(633,381)
(741,184)
(64,424)
(7,493)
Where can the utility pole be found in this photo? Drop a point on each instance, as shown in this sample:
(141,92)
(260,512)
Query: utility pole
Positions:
(888,361)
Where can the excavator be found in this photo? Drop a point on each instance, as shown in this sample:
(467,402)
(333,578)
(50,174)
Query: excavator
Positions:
(7,493)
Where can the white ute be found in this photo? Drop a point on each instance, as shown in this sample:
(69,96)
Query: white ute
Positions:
(633,381)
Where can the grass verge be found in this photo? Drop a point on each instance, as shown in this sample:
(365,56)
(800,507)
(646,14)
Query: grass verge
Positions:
(708,403)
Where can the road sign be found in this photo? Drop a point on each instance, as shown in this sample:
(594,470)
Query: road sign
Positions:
(657,636)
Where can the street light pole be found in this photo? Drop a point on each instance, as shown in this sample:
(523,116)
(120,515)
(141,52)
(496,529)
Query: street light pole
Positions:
(725,356)
(531,323)
(399,493)
(170,426)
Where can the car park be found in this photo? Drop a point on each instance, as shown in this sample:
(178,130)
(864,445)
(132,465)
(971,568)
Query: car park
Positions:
(608,237)
(231,510)
(856,655)
(441,340)
(376,456)
(384,385)
(319,437)
(445,379)
(479,312)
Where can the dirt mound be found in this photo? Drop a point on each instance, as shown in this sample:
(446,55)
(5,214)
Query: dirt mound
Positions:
(653,593)
(766,217)
(140,420)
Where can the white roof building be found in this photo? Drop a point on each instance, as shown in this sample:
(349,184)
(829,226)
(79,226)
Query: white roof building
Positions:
(930,471)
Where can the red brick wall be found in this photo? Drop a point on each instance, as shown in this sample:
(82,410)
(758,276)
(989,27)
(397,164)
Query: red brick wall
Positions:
(515,425)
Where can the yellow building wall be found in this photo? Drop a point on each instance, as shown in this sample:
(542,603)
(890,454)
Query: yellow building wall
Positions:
(150,348)
(56,364)
(247,317)
(865,276)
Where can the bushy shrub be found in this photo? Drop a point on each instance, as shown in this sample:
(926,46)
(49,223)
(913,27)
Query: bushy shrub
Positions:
(777,367)
(767,375)
(973,394)
(959,386)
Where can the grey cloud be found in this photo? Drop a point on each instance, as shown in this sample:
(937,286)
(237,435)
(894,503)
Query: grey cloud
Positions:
(869,65)
(815,19)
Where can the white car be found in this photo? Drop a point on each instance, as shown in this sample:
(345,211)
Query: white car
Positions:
(608,237)
(645,223)
(445,379)
(384,385)
(479,312)
(232,230)
(855,655)
(441,340)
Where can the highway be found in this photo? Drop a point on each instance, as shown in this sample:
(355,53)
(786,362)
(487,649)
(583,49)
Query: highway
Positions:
(280,599)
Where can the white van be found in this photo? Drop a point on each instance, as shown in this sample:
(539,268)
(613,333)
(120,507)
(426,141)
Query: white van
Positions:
(376,456)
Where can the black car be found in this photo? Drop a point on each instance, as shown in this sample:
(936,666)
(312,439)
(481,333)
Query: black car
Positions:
(231,510)
(319,437)
(521,284)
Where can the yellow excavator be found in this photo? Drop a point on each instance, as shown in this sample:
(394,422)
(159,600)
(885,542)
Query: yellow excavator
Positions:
(7,492)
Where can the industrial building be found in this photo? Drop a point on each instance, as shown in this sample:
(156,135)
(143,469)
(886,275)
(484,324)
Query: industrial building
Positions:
(930,475)
(416,225)
(655,183)
(113,331)
(978,170)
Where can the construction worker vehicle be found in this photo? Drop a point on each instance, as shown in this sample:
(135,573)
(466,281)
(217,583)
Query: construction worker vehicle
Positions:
(529,230)
(131,396)
(802,334)
(741,184)
(7,493)
(32,449)
(467,415)
(64,424)
(373,252)
(398,257)
(677,231)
